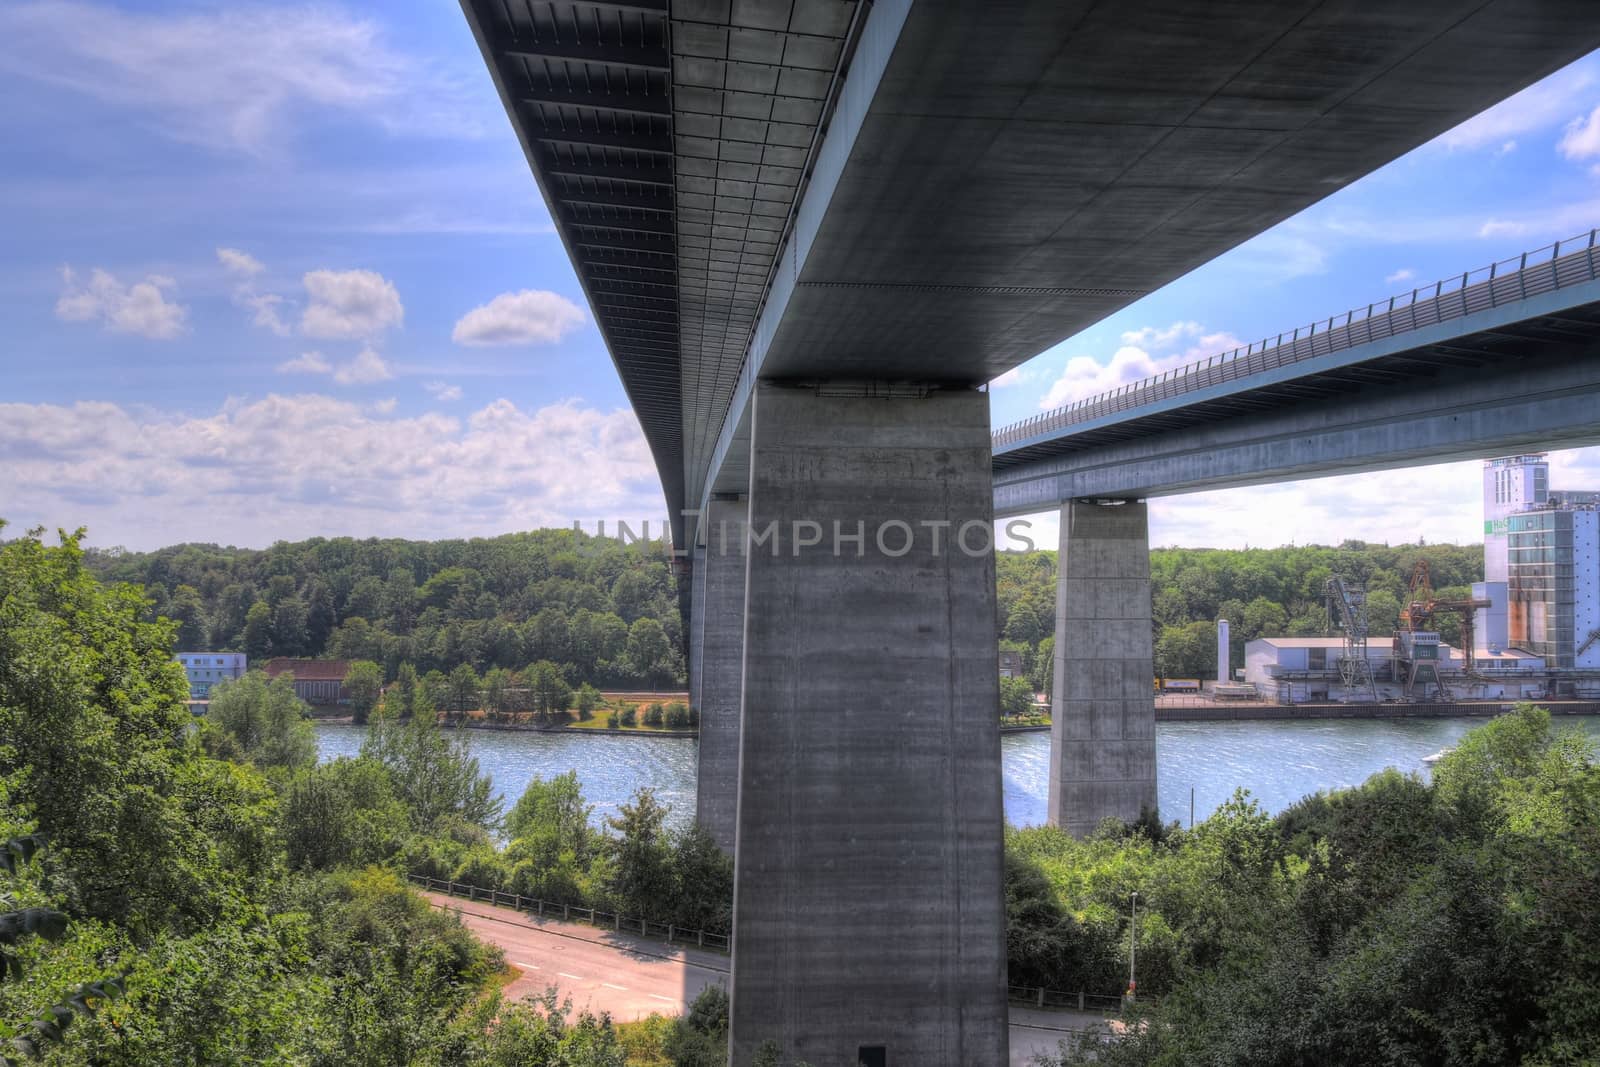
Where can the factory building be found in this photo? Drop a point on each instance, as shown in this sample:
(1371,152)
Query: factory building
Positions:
(1541,565)
(1295,670)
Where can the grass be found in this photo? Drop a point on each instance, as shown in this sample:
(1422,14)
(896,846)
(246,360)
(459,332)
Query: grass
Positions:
(602,721)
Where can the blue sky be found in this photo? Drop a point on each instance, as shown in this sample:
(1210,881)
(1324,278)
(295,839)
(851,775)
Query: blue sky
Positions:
(276,271)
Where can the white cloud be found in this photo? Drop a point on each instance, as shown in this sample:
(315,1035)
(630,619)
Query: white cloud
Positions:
(352,304)
(240,264)
(1442,503)
(245,475)
(263,306)
(1540,106)
(140,308)
(532,316)
(1582,137)
(1502,228)
(306,363)
(366,368)
(1507,148)
(1404,274)
(233,78)
(1084,376)
(443,390)
(386,406)
(1158,337)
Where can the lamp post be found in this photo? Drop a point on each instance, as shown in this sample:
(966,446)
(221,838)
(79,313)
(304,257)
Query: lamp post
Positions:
(1133,944)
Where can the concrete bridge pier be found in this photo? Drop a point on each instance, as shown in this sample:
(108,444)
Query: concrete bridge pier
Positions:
(868,904)
(1103,733)
(720,625)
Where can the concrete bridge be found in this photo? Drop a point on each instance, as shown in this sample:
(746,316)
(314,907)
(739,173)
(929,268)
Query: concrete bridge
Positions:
(809,231)
(1497,361)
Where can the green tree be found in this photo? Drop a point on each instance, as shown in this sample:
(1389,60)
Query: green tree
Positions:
(497,682)
(587,700)
(264,721)
(640,875)
(461,690)
(364,682)
(551,694)
(341,813)
(1016,696)
(258,631)
(433,773)
(649,653)
(405,689)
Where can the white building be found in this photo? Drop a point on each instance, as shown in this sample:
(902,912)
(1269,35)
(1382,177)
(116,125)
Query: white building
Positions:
(1541,565)
(206,669)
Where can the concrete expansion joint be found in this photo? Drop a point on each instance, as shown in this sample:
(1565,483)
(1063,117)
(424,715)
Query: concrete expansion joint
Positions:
(868,389)
(1001,290)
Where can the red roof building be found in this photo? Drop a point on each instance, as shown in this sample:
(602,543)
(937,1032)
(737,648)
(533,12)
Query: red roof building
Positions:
(319,682)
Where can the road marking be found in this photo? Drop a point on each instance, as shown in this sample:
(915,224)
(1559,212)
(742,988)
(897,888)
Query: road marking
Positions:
(608,985)
(574,977)
(525,966)
(658,996)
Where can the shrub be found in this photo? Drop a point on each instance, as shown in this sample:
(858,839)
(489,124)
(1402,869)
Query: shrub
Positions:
(677,715)
(653,715)
(630,716)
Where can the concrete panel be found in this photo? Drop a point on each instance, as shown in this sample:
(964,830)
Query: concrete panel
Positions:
(697,595)
(1102,738)
(722,670)
(868,905)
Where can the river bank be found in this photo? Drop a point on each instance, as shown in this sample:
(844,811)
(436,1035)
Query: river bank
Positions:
(1253,712)
(1278,761)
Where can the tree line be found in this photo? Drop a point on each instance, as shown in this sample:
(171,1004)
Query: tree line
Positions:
(601,611)
(1262,592)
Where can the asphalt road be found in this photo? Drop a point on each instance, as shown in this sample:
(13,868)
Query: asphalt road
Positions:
(632,977)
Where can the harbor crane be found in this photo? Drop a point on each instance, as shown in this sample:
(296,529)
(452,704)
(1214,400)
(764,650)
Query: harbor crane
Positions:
(1347,601)
(1417,643)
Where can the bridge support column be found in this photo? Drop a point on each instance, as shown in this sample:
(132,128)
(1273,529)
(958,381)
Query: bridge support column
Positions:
(1103,733)
(721,670)
(868,904)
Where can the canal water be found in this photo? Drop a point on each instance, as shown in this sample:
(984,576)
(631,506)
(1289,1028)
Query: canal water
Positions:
(1278,762)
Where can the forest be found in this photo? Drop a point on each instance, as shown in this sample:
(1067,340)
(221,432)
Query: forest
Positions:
(1262,592)
(606,614)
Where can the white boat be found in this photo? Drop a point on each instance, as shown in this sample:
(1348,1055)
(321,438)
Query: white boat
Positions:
(1437,756)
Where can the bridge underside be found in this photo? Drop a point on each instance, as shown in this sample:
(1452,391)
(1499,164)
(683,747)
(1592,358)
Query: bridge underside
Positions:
(1527,385)
(808,229)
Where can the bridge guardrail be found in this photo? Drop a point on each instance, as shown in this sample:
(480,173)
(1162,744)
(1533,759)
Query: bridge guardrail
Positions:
(1037,997)
(549,909)
(1452,298)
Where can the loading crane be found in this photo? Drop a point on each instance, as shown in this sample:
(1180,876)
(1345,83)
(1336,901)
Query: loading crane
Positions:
(1348,602)
(1416,644)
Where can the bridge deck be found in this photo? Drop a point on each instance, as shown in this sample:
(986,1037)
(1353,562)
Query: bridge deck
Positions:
(1384,342)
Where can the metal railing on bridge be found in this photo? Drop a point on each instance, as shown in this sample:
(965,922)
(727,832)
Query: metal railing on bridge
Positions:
(1061,1000)
(549,909)
(1565,263)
